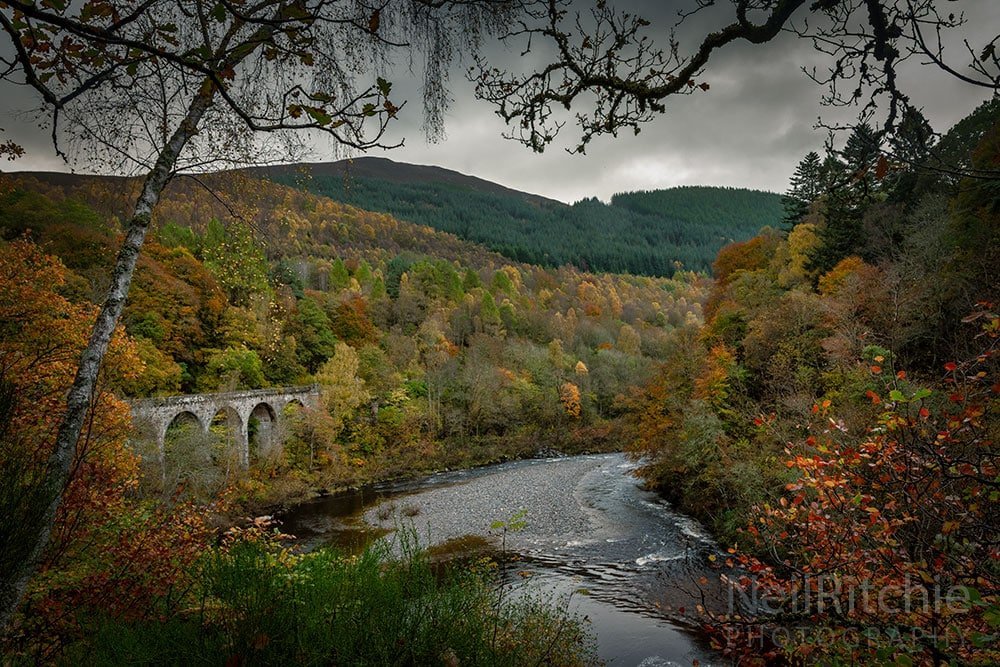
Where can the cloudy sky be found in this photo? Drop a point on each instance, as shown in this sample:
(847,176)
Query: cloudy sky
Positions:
(749,130)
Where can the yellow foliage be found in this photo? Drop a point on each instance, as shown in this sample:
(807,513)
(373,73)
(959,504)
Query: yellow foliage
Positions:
(593,303)
(341,390)
(802,240)
(569,394)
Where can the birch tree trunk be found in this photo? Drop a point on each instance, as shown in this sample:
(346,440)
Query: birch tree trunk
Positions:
(81,395)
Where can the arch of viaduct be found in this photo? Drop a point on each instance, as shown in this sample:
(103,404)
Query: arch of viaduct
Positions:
(155,415)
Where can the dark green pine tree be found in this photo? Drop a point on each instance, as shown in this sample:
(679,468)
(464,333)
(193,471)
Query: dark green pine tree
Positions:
(911,149)
(852,190)
(805,187)
(913,140)
(953,154)
(833,172)
(860,155)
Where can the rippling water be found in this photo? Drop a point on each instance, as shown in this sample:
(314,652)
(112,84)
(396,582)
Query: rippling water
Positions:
(592,537)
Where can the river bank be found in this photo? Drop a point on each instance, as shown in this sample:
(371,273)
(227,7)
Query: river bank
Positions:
(592,539)
(274,489)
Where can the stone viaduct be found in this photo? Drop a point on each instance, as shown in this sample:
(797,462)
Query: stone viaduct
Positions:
(154,416)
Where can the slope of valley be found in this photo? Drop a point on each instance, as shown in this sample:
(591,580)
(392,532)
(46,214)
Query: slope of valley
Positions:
(646,233)
(443,353)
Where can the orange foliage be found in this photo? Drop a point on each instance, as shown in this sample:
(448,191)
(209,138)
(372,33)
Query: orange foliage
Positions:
(750,255)
(593,303)
(352,323)
(569,394)
(184,295)
(649,408)
(106,553)
(847,274)
(43,334)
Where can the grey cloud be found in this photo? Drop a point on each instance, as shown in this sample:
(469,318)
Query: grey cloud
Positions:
(749,130)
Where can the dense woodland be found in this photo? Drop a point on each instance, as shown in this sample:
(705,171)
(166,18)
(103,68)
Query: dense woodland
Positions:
(646,233)
(460,346)
(836,414)
(431,352)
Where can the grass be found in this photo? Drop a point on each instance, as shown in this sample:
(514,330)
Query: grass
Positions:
(258,606)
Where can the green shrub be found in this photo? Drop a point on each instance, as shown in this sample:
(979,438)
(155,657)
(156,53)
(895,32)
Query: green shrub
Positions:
(257,607)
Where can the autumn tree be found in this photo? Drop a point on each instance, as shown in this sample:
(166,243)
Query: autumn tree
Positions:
(153,88)
(352,321)
(342,391)
(105,555)
(569,395)
(747,255)
(629,340)
(889,534)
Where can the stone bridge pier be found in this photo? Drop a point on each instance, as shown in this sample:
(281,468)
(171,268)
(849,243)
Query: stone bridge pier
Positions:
(155,415)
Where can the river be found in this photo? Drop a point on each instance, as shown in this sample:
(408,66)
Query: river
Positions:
(592,538)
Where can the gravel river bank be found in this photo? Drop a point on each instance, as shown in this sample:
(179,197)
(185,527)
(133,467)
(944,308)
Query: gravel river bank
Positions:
(592,538)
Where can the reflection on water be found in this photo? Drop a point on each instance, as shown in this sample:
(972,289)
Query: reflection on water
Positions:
(592,537)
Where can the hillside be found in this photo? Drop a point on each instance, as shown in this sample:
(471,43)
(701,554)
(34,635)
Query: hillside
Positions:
(443,354)
(222,266)
(286,222)
(384,169)
(644,233)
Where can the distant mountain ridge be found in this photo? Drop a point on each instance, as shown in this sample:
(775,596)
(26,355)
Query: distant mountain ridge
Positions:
(384,169)
(647,233)
(287,222)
